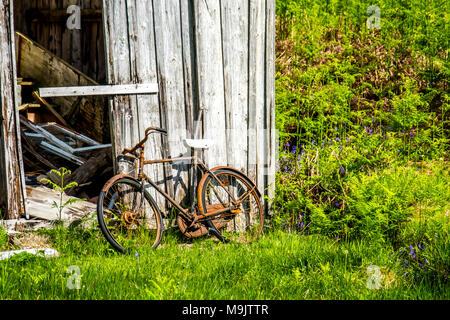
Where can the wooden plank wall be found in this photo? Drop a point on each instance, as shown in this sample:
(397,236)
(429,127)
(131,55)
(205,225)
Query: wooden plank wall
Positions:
(214,62)
(84,49)
(12,184)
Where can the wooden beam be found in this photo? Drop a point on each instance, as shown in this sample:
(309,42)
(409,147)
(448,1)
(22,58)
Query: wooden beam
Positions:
(50,108)
(12,177)
(24,107)
(109,90)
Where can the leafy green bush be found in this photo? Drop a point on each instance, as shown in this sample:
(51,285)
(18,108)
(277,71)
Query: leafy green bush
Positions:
(3,238)
(359,111)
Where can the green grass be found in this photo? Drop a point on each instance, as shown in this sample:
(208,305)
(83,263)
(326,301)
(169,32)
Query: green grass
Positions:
(279,265)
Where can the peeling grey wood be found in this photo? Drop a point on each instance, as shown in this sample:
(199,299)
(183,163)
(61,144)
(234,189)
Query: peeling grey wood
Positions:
(144,68)
(169,51)
(210,73)
(40,200)
(125,89)
(118,72)
(235,37)
(12,179)
(190,81)
(257,78)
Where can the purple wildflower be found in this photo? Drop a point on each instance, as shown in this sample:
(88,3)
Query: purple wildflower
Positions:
(294,149)
(341,170)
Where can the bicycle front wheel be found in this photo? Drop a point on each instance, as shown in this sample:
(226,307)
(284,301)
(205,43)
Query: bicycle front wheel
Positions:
(128,216)
(244,222)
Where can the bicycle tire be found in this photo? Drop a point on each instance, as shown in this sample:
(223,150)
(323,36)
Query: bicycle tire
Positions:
(137,215)
(244,225)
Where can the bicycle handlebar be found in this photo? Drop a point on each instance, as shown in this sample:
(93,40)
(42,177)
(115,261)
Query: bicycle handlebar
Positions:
(160,130)
(148,131)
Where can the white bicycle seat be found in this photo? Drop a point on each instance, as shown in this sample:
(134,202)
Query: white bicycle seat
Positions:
(198,143)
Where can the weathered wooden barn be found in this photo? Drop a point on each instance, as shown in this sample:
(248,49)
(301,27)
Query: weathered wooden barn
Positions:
(213,62)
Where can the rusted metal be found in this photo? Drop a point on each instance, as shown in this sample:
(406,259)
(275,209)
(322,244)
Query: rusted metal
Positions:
(195,231)
(111,181)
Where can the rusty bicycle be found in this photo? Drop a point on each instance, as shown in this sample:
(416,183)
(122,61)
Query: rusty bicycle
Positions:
(227,204)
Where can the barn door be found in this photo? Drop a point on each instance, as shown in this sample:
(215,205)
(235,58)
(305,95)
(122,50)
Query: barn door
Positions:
(12,179)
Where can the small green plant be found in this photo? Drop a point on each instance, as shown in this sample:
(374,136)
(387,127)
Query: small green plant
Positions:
(3,238)
(61,188)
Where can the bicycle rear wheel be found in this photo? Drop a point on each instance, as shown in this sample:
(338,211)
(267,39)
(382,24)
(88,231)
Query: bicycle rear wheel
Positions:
(128,217)
(245,222)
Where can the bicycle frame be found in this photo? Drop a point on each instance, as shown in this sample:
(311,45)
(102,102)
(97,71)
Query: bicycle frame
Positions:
(197,162)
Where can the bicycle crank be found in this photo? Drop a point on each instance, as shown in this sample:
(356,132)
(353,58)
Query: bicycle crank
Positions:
(129,217)
(194,231)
